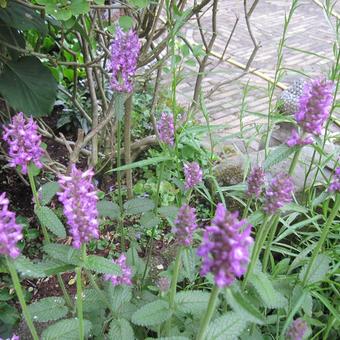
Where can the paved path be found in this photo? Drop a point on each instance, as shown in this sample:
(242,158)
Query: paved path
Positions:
(308,31)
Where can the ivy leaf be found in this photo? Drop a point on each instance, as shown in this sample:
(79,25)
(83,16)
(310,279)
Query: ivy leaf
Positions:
(138,206)
(51,221)
(28,86)
(102,265)
(48,191)
(48,309)
(152,314)
(121,329)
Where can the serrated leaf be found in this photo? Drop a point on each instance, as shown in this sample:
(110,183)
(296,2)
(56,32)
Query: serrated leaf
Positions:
(121,329)
(48,309)
(279,154)
(152,314)
(67,329)
(189,261)
(51,221)
(118,296)
(192,302)
(244,308)
(227,327)
(318,271)
(24,90)
(138,206)
(63,253)
(169,212)
(108,209)
(264,287)
(92,300)
(102,265)
(149,220)
(27,268)
(48,191)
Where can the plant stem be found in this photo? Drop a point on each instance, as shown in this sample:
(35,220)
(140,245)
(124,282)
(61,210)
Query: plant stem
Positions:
(80,296)
(245,212)
(99,291)
(20,294)
(323,237)
(294,161)
(273,228)
(208,314)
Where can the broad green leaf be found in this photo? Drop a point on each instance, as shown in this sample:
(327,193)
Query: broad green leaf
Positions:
(318,271)
(64,253)
(189,261)
(279,154)
(192,302)
(138,206)
(118,296)
(139,3)
(48,309)
(92,300)
(67,329)
(227,327)
(28,86)
(152,314)
(125,22)
(48,191)
(140,164)
(108,209)
(170,212)
(51,221)
(102,265)
(121,329)
(27,268)
(149,220)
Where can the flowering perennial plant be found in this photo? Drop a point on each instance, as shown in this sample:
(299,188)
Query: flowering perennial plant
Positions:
(10,231)
(166,129)
(225,247)
(255,182)
(24,142)
(124,55)
(279,193)
(193,175)
(79,198)
(335,185)
(185,225)
(297,330)
(296,139)
(125,278)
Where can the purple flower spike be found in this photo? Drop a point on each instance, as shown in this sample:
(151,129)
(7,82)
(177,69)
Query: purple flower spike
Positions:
(24,142)
(193,175)
(166,129)
(295,139)
(255,182)
(79,198)
(124,55)
(335,185)
(185,225)
(10,232)
(314,106)
(225,247)
(279,193)
(125,278)
(297,330)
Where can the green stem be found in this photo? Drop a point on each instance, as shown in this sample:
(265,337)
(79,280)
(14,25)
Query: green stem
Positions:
(273,228)
(20,294)
(323,237)
(245,212)
(98,290)
(208,314)
(80,296)
(294,161)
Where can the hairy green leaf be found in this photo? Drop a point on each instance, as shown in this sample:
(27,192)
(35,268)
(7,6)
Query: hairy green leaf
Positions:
(48,191)
(318,271)
(64,253)
(102,265)
(51,221)
(193,302)
(48,309)
(279,154)
(108,209)
(138,206)
(121,329)
(118,296)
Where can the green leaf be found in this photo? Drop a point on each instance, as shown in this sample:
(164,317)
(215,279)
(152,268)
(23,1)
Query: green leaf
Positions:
(139,3)
(244,308)
(64,253)
(149,220)
(28,86)
(125,22)
(189,260)
(227,327)
(121,329)
(108,209)
(279,154)
(264,287)
(118,296)
(27,268)
(152,314)
(140,164)
(193,302)
(51,221)
(48,191)
(99,2)
(48,309)
(92,300)
(102,265)
(67,329)
(170,212)
(318,271)
(138,206)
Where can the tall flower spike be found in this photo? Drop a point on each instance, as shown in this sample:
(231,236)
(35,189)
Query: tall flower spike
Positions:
(193,175)
(185,225)
(10,232)
(255,182)
(297,330)
(79,198)
(124,55)
(166,129)
(24,142)
(314,106)
(335,185)
(225,247)
(125,278)
(279,193)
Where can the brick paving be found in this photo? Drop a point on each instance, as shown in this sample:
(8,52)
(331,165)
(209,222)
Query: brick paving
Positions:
(308,31)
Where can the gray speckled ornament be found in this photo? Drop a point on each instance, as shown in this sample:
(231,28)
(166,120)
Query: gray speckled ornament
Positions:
(290,97)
